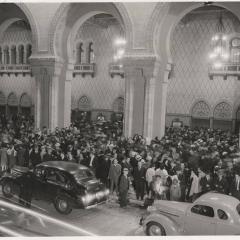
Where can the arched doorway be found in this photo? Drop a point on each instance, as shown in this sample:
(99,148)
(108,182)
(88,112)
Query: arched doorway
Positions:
(2,104)
(83,113)
(25,105)
(12,106)
(189,42)
(77,42)
(200,115)
(222,116)
(118,110)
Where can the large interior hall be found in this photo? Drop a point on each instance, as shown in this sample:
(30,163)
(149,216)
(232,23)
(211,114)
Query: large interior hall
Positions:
(119,110)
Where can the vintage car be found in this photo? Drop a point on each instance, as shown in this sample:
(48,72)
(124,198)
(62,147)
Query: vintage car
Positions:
(67,185)
(17,221)
(210,214)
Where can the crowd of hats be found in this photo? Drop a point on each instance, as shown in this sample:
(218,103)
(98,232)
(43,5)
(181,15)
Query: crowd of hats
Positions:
(202,147)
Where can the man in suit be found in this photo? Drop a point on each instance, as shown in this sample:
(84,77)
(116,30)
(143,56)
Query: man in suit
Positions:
(139,174)
(235,186)
(123,188)
(114,174)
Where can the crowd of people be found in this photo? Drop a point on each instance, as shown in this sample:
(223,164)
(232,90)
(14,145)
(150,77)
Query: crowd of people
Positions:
(181,166)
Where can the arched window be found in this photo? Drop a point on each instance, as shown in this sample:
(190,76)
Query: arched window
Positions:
(235,50)
(118,105)
(201,110)
(84,104)
(90,53)
(29,52)
(21,54)
(13,55)
(6,55)
(222,116)
(79,53)
(12,105)
(223,111)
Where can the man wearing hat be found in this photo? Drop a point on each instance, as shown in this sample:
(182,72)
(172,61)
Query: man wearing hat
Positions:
(123,188)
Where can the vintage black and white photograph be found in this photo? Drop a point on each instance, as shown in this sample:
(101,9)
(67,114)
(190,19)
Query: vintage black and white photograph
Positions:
(119,118)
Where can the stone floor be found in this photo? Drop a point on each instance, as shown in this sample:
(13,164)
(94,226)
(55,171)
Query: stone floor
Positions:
(104,220)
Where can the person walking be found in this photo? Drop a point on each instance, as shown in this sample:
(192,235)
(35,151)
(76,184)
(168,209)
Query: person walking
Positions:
(123,188)
(114,174)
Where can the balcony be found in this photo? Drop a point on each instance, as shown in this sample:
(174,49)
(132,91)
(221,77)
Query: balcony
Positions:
(84,69)
(228,69)
(116,69)
(15,69)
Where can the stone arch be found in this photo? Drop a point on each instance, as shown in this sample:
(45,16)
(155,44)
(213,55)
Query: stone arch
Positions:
(222,110)
(12,99)
(33,25)
(84,103)
(201,109)
(118,104)
(25,100)
(56,30)
(165,18)
(2,99)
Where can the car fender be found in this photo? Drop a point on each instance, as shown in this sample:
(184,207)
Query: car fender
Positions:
(62,193)
(7,177)
(171,227)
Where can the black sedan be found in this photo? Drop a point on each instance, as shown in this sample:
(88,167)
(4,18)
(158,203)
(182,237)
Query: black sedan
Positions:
(67,185)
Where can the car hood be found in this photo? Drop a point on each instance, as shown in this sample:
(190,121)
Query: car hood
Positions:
(171,207)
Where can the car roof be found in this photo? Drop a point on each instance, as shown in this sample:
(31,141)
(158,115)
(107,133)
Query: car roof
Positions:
(63,165)
(218,199)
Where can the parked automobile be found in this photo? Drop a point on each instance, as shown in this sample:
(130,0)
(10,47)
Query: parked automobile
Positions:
(16,221)
(210,214)
(67,185)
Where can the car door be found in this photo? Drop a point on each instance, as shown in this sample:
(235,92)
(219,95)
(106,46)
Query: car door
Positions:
(55,182)
(39,184)
(200,220)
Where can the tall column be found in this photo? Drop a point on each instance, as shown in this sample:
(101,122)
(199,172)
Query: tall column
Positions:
(139,83)
(46,72)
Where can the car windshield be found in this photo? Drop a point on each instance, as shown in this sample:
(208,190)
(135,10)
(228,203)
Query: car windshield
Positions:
(83,174)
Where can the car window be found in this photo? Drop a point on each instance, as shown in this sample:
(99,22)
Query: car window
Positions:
(83,173)
(56,176)
(203,210)
(40,172)
(221,214)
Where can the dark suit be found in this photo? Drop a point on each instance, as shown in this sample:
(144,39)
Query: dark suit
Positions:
(206,184)
(123,190)
(139,181)
(235,190)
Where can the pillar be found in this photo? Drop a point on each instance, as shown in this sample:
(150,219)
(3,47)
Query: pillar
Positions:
(211,122)
(140,74)
(46,71)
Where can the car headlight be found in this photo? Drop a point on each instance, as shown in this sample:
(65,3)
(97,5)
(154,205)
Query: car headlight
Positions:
(106,191)
(87,199)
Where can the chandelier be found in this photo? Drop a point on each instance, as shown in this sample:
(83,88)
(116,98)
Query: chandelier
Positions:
(219,53)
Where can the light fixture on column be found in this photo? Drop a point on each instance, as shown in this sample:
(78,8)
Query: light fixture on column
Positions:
(219,53)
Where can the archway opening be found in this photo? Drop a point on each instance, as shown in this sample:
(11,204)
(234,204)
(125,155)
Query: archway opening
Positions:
(190,45)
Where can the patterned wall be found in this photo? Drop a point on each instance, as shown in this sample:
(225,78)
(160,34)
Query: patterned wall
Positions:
(102,90)
(17,33)
(190,46)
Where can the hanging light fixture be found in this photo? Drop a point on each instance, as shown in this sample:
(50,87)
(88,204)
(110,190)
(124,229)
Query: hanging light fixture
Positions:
(219,53)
